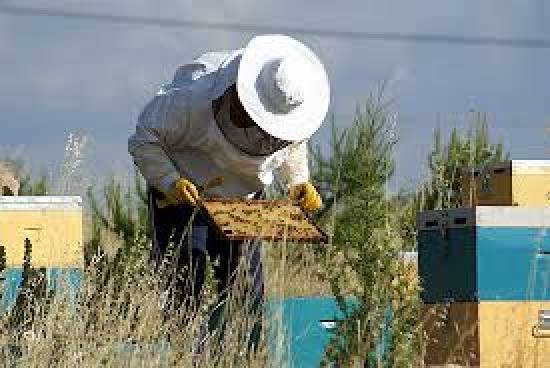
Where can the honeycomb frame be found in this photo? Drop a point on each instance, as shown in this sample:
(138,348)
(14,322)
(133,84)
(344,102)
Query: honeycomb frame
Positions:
(274,220)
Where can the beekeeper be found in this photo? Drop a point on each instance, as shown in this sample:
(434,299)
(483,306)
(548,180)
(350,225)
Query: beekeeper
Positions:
(241,115)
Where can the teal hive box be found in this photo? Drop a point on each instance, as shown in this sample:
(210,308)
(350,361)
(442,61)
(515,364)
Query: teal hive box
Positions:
(301,328)
(484,254)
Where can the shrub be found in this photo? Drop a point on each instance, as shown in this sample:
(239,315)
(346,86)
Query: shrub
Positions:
(364,262)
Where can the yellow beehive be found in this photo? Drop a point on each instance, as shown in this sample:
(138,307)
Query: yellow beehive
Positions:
(52,224)
(511,183)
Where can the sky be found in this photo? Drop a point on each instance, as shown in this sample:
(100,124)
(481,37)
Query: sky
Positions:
(62,76)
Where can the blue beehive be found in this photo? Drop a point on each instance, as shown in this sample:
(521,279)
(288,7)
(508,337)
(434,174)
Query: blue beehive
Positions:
(301,328)
(484,253)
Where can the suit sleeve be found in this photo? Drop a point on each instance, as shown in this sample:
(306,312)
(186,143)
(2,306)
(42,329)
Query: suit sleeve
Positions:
(163,122)
(294,169)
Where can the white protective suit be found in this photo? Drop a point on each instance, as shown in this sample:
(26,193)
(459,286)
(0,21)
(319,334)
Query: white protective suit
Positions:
(177,135)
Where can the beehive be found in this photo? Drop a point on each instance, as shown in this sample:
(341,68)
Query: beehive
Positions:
(492,264)
(54,227)
(276,220)
(301,328)
(511,183)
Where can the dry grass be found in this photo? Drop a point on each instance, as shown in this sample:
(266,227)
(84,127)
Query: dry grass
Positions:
(95,332)
(125,329)
(295,270)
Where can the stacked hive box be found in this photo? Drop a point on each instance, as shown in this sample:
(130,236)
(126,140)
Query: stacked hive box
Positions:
(54,227)
(511,183)
(491,265)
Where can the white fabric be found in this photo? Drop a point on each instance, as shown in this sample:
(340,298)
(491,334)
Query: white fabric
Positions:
(283,87)
(177,135)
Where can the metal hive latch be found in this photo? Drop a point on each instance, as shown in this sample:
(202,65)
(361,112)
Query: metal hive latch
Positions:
(328,324)
(542,329)
(544,319)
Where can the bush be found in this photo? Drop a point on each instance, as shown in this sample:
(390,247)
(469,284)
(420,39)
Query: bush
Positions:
(364,262)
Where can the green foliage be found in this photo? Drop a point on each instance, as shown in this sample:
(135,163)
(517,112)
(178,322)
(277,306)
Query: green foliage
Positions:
(125,214)
(34,186)
(359,161)
(122,215)
(402,212)
(448,161)
(353,178)
(353,185)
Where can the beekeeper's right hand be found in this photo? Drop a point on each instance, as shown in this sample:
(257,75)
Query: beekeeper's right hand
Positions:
(184,192)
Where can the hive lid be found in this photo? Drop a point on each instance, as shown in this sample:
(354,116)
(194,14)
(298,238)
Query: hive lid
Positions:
(39,203)
(276,220)
(486,216)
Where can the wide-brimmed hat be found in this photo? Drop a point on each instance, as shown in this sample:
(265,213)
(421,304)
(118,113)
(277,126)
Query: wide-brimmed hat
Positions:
(283,87)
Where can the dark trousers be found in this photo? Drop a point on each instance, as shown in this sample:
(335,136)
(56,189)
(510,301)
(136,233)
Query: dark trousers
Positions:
(192,239)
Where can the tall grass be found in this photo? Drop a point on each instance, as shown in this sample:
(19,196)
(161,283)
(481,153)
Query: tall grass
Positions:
(110,327)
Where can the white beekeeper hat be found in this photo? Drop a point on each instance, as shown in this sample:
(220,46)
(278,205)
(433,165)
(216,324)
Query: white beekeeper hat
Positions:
(283,87)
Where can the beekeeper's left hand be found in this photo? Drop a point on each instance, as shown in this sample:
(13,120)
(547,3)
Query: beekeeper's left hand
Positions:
(306,195)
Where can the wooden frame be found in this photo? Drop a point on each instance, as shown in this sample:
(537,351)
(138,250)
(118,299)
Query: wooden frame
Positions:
(252,219)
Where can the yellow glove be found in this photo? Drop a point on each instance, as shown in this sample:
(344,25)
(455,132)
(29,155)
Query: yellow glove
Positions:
(183,192)
(306,195)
